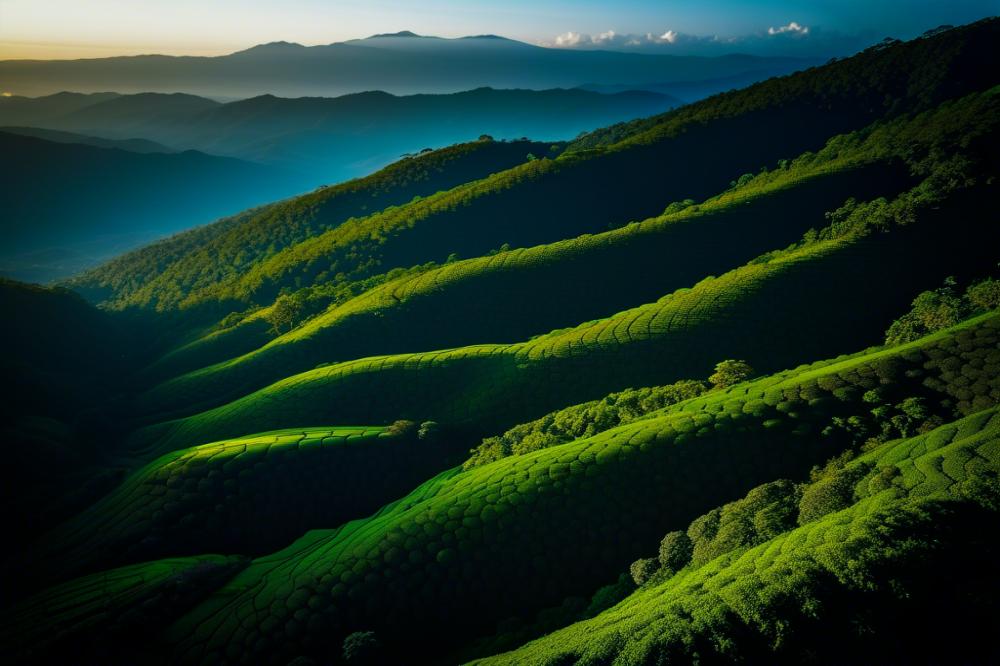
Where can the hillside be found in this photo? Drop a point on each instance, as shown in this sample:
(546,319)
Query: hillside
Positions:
(131,145)
(516,509)
(673,159)
(400,63)
(716,386)
(333,139)
(68,206)
(491,298)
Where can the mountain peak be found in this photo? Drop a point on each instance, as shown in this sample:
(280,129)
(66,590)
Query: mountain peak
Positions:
(401,33)
(488,36)
(273,47)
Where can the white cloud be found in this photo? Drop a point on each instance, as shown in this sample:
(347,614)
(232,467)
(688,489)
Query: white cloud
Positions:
(670,36)
(571,39)
(791,38)
(793,28)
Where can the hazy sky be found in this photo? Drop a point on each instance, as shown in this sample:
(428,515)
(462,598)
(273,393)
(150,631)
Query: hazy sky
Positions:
(88,28)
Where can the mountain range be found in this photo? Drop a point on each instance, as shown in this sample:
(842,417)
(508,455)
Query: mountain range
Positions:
(70,202)
(399,63)
(331,139)
(718,385)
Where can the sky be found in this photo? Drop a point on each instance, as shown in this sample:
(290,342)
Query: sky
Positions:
(47,29)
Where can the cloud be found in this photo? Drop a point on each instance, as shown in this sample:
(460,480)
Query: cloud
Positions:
(570,39)
(792,28)
(792,38)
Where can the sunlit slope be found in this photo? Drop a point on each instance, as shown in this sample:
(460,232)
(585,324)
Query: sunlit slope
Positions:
(912,557)
(514,295)
(775,313)
(524,532)
(583,191)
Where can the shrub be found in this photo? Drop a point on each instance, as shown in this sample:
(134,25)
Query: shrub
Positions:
(675,551)
(643,569)
(984,295)
(832,491)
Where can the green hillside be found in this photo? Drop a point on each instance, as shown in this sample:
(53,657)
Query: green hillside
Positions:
(164,273)
(873,570)
(718,386)
(492,298)
(481,527)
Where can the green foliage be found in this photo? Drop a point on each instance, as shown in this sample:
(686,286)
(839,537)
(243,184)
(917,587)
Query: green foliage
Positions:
(859,581)
(676,549)
(583,420)
(285,313)
(984,295)
(643,569)
(730,372)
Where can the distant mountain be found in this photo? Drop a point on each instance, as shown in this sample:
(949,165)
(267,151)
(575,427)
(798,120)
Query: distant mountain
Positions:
(68,205)
(131,145)
(400,63)
(333,139)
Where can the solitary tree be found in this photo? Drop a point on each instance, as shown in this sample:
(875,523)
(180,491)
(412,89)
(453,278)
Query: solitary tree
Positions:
(730,372)
(285,313)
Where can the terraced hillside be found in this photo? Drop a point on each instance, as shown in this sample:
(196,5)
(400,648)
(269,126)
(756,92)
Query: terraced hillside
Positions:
(869,574)
(548,519)
(491,298)
(678,336)
(311,435)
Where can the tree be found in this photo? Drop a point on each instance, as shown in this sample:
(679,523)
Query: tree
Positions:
(402,427)
(285,313)
(643,569)
(984,295)
(675,551)
(531,157)
(730,372)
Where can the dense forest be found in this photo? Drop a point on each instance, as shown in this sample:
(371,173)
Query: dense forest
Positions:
(716,386)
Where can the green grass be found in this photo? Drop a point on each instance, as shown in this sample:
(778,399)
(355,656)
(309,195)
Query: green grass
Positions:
(527,531)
